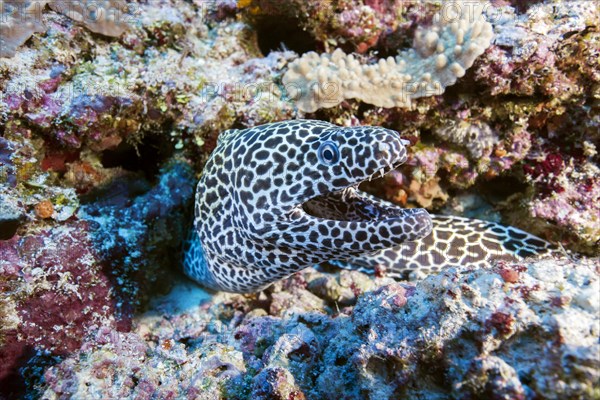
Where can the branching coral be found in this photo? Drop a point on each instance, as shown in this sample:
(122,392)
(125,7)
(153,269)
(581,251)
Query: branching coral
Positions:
(440,55)
(21,19)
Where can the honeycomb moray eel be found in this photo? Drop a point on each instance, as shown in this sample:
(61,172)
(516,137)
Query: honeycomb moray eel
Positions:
(280,197)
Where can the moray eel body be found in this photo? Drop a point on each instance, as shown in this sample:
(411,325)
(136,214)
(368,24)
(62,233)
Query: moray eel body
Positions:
(277,198)
(454,241)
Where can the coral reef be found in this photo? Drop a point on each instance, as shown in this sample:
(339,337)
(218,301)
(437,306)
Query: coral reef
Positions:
(56,266)
(566,194)
(558,80)
(97,148)
(20,20)
(462,333)
(102,138)
(440,55)
(533,110)
(109,96)
(94,270)
(299,25)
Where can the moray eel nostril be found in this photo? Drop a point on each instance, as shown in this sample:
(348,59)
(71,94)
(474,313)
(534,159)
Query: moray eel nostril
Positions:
(277,198)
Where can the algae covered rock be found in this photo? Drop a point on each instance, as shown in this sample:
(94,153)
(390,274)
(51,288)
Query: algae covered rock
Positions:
(516,330)
(21,19)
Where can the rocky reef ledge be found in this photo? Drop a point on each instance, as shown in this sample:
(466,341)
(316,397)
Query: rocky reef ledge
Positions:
(516,331)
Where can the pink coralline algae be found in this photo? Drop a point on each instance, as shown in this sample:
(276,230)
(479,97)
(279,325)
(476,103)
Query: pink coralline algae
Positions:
(58,291)
(547,172)
(567,193)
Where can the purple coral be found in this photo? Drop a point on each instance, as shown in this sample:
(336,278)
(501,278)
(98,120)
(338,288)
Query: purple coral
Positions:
(59,291)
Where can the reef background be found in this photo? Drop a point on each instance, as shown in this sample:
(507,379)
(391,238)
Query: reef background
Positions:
(104,131)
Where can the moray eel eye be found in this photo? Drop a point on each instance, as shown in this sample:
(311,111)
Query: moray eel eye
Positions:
(329,153)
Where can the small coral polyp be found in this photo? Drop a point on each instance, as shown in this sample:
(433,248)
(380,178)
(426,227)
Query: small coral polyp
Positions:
(440,55)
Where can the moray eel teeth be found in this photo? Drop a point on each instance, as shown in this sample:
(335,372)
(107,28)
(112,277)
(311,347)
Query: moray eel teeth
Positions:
(277,198)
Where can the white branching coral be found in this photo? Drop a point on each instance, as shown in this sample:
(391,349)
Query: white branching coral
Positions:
(19,19)
(440,55)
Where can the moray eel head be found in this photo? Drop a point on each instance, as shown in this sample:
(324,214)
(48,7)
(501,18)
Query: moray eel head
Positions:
(280,197)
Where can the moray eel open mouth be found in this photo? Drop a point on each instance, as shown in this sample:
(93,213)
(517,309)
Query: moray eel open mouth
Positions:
(353,204)
(366,223)
(277,198)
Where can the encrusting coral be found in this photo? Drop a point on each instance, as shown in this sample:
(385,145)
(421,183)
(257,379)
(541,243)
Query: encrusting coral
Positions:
(21,19)
(440,55)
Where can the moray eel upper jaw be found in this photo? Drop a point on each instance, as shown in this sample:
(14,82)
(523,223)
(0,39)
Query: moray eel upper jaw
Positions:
(340,158)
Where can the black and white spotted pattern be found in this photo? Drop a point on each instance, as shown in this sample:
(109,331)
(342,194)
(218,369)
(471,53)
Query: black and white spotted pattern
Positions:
(277,198)
(454,241)
(253,218)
